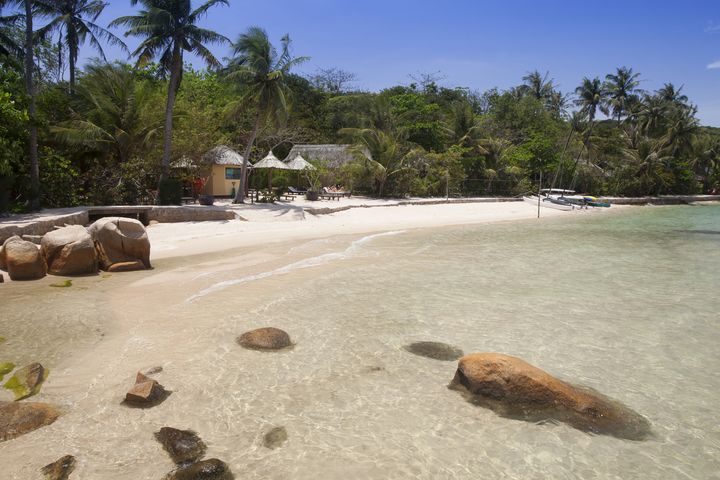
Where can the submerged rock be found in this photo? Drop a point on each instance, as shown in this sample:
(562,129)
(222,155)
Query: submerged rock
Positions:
(59,469)
(275,437)
(22,260)
(184,446)
(27,380)
(267,338)
(69,251)
(2,278)
(211,469)
(516,389)
(18,418)
(146,392)
(435,350)
(121,241)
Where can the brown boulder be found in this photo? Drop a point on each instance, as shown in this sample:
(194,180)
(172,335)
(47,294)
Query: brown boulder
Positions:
(120,240)
(69,251)
(27,380)
(23,260)
(146,392)
(267,338)
(184,446)
(211,469)
(3,260)
(59,469)
(126,266)
(514,387)
(18,418)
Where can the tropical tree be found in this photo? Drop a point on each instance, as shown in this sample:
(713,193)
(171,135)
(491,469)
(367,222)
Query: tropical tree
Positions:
(110,115)
(537,85)
(591,98)
(262,72)
(75,22)
(169,28)
(652,115)
(8,45)
(668,93)
(619,89)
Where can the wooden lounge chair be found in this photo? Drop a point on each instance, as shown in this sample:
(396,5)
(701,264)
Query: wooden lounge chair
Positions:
(296,191)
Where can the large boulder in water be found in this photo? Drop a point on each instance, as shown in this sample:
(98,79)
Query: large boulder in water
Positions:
(211,469)
(183,446)
(69,251)
(18,418)
(121,240)
(22,260)
(513,386)
(267,338)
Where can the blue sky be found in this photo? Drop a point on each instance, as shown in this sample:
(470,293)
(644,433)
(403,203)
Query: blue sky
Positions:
(483,44)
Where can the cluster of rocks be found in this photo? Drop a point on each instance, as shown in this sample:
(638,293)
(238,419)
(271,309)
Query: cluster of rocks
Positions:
(114,244)
(186,450)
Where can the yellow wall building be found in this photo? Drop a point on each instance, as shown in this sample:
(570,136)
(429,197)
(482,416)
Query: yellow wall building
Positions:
(224,173)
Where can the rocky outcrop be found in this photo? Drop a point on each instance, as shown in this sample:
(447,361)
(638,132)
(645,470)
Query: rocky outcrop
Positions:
(146,392)
(27,380)
(435,350)
(183,446)
(59,469)
(22,260)
(211,469)
(267,338)
(18,418)
(69,251)
(121,241)
(513,387)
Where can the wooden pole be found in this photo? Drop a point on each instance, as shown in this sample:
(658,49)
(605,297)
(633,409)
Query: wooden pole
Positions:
(539,192)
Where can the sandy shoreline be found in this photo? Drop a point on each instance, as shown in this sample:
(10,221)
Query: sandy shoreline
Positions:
(286,222)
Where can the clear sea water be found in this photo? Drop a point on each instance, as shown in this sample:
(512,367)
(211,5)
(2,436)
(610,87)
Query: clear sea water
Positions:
(626,303)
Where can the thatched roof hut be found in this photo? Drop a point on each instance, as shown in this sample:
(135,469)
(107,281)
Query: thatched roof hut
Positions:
(222,155)
(335,154)
(271,161)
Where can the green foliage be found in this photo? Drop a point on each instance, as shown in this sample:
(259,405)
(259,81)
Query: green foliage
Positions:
(59,179)
(170,192)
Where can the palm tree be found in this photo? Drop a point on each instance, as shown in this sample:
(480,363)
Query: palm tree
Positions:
(109,116)
(652,114)
(537,85)
(262,72)
(670,94)
(75,20)
(8,46)
(619,88)
(169,27)
(681,132)
(385,148)
(591,98)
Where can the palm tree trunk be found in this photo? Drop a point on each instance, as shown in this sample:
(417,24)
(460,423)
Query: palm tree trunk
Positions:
(32,129)
(241,192)
(173,87)
(71,65)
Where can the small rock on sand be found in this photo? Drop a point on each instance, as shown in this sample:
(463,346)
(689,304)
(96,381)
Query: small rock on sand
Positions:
(267,338)
(146,392)
(18,418)
(275,437)
(59,469)
(183,446)
(27,380)
(211,469)
(435,350)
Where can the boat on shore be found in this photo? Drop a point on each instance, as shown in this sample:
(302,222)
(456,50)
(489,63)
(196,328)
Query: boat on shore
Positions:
(548,202)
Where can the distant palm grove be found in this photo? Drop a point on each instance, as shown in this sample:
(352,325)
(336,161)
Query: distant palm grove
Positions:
(110,132)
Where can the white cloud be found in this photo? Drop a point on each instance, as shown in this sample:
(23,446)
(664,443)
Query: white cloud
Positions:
(714,65)
(712,27)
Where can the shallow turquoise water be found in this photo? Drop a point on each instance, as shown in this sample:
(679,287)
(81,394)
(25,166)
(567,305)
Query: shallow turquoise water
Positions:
(625,303)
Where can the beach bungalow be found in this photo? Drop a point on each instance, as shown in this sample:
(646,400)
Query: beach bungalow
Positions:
(224,171)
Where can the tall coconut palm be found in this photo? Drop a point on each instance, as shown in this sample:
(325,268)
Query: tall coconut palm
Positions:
(8,45)
(652,114)
(169,28)
(668,93)
(75,21)
(620,87)
(261,71)
(591,98)
(386,150)
(27,14)
(537,85)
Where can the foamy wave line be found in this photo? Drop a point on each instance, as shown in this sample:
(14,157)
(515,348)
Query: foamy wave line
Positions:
(306,263)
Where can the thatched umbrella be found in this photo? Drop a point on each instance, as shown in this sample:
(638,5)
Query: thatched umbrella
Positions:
(271,162)
(299,163)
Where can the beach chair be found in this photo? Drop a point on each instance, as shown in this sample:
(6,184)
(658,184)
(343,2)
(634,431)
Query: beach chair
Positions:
(296,191)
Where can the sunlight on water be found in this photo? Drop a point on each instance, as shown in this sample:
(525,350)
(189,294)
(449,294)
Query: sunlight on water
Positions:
(625,304)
